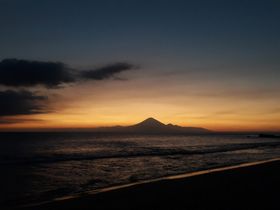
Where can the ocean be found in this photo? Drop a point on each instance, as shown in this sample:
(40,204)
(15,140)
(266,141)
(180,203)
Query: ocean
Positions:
(39,167)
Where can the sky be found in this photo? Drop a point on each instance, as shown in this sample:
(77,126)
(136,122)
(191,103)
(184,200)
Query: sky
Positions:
(82,64)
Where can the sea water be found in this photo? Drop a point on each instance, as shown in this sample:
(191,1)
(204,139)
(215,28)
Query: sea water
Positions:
(39,167)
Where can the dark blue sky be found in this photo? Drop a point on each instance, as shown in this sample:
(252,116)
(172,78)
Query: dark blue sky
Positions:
(84,31)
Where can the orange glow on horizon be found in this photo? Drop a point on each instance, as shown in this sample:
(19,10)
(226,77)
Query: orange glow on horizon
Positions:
(58,121)
(130,102)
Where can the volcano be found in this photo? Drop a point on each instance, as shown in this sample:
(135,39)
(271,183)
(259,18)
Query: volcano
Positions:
(153,126)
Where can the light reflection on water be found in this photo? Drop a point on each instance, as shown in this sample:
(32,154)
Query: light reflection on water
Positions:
(45,166)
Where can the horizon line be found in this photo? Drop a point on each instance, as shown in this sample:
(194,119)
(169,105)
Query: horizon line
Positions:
(90,128)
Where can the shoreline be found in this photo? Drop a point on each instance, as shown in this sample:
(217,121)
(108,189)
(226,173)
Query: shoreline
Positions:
(176,176)
(157,181)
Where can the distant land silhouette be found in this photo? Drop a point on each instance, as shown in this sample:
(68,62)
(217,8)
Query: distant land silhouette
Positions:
(153,126)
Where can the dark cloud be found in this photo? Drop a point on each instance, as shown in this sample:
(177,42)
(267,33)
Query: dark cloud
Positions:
(25,73)
(106,72)
(17,73)
(21,103)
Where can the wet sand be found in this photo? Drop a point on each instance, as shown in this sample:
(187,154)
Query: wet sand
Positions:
(247,187)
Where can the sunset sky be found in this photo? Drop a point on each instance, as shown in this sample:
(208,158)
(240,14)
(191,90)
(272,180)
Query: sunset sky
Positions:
(76,64)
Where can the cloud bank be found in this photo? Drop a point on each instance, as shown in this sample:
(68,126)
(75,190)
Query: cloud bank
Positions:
(17,74)
(21,103)
(25,73)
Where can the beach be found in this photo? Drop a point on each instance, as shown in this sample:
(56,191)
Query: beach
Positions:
(247,186)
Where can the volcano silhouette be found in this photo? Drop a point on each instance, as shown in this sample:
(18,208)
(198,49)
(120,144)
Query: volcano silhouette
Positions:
(153,126)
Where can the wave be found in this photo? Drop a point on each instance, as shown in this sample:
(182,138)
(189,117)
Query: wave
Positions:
(145,152)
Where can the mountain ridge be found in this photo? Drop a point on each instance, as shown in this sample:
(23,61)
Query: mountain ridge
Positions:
(153,126)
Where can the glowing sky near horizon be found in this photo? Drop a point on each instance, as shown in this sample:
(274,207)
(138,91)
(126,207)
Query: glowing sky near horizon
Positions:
(213,64)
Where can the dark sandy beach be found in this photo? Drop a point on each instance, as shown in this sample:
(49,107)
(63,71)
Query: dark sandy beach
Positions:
(251,187)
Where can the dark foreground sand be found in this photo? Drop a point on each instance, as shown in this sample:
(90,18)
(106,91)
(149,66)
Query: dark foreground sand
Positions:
(251,187)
